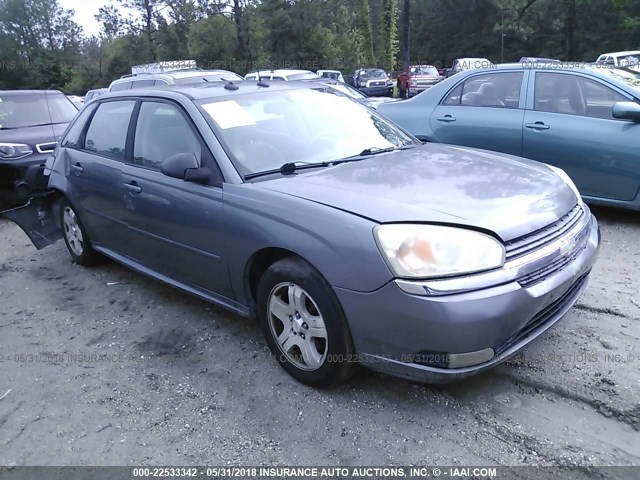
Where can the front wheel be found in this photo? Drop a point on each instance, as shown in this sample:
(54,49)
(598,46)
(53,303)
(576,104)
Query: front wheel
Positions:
(304,324)
(76,238)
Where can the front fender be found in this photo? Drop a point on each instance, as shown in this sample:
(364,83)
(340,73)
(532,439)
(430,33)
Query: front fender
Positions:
(338,244)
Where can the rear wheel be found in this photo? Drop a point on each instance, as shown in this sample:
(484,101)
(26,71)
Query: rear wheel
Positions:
(76,238)
(304,325)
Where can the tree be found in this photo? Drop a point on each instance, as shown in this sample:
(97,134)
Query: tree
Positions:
(148,11)
(44,42)
(389,33)
(366,34)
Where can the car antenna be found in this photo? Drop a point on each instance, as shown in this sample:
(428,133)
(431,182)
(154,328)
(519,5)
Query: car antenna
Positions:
(229,85)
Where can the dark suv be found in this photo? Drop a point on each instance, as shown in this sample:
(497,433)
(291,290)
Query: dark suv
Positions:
(373,82)
(31,122)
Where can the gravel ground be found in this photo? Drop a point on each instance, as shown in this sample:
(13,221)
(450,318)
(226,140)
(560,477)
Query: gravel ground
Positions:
(106,367)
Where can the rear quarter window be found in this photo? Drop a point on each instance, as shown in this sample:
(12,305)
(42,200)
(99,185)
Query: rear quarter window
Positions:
(73,138)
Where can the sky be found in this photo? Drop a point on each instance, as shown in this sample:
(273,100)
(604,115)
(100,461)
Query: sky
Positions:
(85,11)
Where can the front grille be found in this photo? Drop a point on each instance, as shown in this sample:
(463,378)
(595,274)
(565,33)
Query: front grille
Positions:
(558,263)
(553,267)
(532,241)
(378,84)
(427,82)
(545,315)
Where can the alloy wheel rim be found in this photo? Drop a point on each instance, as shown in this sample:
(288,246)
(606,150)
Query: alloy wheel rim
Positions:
(72,231)
(297,326)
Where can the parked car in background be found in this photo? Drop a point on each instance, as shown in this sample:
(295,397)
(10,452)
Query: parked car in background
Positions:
(539,60)
(76,100)
(463,64)
(283,74)
(585,120)
(347,238)
(31,122)
(373,82)
(178,77)
(354,93)
(91,94)
(416,79)
(331,74)
(620,59)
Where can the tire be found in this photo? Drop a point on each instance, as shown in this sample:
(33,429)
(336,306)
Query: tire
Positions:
(294,300)
(76,237)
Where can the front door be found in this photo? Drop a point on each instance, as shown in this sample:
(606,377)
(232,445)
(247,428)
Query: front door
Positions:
(570,125)
(176,227)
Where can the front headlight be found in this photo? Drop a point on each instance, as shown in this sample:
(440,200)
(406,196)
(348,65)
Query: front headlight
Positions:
(14,151)
(563,175)
(389,83)
(428,251)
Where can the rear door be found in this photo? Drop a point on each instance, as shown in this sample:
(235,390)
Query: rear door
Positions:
(485,110)
(95,172)
(569,124)
(176,227)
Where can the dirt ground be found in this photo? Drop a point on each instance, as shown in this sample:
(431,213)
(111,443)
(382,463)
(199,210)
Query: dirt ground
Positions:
(106,367)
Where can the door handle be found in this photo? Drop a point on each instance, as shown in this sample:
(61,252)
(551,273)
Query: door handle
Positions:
(133,187)
(447,119)
(537,126)
(77,168)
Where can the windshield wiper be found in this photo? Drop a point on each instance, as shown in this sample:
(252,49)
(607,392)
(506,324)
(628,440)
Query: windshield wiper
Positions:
(368,152)
(288,169)
(291,167)
(30,126)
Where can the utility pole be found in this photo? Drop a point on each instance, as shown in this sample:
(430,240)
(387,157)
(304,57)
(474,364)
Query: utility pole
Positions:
(406,26)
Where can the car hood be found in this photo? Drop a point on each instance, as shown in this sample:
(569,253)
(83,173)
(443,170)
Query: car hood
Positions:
(507,195)
(33,135)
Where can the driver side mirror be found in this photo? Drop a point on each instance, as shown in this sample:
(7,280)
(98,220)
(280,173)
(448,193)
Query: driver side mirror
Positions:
(627,111)
(185,166)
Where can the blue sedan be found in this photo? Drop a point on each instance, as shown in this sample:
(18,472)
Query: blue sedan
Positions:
(584,119)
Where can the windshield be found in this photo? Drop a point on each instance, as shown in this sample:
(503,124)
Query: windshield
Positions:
(630,60)
(424,70)
(347,90)
(373,73)
(263,131)
(302,76)
(30,109)
(331,75)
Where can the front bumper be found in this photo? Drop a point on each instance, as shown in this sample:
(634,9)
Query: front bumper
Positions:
(407,334)
(377,91)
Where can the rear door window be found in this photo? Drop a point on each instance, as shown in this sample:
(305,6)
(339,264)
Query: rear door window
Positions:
(501,90)
(107,133)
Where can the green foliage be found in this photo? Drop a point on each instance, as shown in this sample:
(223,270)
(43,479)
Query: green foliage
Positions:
(389,34)
(366,34)
(41,46)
